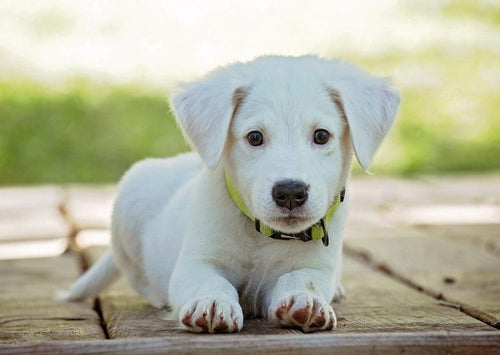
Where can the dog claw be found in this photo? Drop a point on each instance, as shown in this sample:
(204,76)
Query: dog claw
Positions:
(210,315)
(303,311)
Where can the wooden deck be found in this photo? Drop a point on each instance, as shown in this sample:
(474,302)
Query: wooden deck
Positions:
(422,274)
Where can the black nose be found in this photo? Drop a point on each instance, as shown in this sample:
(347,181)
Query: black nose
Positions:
(290,193)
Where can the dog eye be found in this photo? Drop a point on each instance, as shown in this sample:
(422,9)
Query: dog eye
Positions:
(255,138)
(321,136)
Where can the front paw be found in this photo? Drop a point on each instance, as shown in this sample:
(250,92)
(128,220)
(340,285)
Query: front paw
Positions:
(304,311)
(212,314)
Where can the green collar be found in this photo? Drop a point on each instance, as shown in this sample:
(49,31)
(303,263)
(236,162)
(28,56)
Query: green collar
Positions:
(315,232)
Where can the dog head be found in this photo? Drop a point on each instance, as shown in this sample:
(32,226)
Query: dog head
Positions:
(284,129)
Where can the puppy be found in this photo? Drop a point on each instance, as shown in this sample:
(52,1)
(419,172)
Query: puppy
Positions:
(252,223)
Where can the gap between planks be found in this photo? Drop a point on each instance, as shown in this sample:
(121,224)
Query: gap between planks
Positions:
(84,266)
(82,260)
(73,228)
(349,251)
(382,267)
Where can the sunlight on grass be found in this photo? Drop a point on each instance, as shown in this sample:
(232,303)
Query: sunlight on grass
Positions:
(466,9)
(92,130)
(88,132)
(82,133)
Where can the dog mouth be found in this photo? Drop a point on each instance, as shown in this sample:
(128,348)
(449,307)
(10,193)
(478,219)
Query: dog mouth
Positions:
(293,221)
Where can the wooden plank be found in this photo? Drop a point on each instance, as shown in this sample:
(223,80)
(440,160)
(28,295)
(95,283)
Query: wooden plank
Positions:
(458,189)
(380,192)
(29,311)
(378,303)
(90,207)
(484,236)
(33,248)
(92,237)
(450,266)
(375,303)
(372,199)
(353,231)
(31,224)
(448,214)
(374,343)
(385,202)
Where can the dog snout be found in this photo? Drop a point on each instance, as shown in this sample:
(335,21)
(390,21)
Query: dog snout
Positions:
(290,193)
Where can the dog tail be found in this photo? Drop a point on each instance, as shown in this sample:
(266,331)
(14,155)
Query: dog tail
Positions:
(101,275)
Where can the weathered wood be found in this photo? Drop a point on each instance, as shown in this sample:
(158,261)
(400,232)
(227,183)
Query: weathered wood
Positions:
(375,303)
(449,266)
(378,303)
(429,284)
(32,198)
(29,310)
(90,207)
(92,237)
(485,236)
(317,343)
(33,248)
(458,189)
(372,199)
(384,202)
(448,214)
(31,224)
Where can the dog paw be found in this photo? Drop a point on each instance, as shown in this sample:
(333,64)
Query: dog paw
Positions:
(303,311)
(212,315)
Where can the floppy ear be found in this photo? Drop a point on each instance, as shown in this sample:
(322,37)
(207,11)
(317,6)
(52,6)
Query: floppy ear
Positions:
(204,110)
(369,105)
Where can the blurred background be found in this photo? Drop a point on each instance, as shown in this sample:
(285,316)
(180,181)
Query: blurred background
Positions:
(84,85)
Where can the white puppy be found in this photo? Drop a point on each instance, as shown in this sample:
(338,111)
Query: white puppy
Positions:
(228,234)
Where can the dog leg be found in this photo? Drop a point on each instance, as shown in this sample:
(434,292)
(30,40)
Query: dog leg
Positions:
(339,293)
(212,301)
(297,301)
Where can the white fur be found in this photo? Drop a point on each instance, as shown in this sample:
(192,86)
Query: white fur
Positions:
(181,241)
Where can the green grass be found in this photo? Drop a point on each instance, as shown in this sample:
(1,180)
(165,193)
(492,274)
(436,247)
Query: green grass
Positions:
(449,120)
(484,11)
(89,133)
(82,133)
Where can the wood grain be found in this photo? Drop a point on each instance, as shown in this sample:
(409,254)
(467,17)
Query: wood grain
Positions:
(29,311)
(455,267)
(90,207)
(30,222)
(373,343)
(411,288)
(385,202)
(374,303)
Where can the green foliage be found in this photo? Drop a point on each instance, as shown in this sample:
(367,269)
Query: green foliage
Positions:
(449,115)
(82,133)
(484,11)
(93,133)
(87,132)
